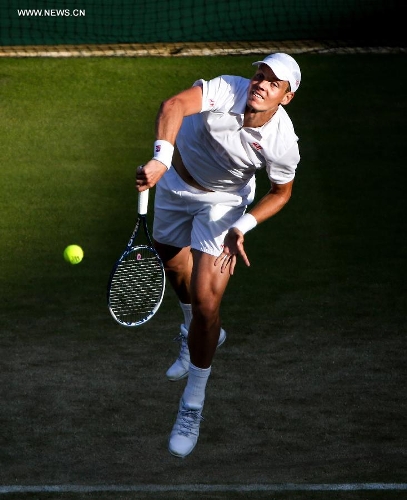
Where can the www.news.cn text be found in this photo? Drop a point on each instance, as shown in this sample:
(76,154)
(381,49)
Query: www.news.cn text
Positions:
(51,12)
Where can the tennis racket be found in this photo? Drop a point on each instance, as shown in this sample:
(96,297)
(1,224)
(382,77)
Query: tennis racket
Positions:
(137,281)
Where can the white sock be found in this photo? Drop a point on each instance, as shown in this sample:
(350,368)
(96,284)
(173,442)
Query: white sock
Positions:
(194,393)
(187,310)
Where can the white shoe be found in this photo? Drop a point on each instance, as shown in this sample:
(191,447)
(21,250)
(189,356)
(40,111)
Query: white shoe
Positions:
(179,369)
(185,433)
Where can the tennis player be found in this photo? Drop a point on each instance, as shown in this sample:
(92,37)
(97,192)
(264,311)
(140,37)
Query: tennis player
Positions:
(211,140)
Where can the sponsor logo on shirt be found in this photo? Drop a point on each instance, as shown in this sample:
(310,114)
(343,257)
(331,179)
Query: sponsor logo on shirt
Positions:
(211,103)
(257,146)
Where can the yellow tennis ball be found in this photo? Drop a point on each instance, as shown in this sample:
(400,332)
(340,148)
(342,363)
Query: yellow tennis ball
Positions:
(73,254)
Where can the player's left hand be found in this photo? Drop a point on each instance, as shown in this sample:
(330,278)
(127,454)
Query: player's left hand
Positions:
(232,247)
(149,174)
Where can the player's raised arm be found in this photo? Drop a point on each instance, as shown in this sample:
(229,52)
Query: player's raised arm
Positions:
(173,110)
(168,122)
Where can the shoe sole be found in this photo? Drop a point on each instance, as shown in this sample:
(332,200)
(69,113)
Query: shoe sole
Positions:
(175,379)
(181,456)
(223,341)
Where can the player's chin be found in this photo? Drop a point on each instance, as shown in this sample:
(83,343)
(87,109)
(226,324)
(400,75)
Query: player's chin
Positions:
(255,105)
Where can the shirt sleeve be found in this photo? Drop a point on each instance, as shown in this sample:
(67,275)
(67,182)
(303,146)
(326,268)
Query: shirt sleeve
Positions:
(218,93)
(283,170)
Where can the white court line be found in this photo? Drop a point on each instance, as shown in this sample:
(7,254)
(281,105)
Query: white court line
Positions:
(218,488)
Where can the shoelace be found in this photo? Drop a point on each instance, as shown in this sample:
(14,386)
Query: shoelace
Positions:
(189,421)
(184,351)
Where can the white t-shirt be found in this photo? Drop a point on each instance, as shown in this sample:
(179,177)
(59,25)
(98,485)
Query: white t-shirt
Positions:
(221,154)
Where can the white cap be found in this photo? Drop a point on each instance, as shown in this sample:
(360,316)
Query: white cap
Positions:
(284,67)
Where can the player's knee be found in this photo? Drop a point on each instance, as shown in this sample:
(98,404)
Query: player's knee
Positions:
(175,267)
(206,311)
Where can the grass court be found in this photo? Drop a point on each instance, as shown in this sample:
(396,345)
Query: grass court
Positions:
(309,388)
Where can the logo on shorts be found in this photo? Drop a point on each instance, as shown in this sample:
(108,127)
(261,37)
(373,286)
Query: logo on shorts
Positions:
(257,146)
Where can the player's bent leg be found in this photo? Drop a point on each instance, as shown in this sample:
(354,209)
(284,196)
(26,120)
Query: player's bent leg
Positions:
(207,288)
(208,285)
(179,369)
(178,268)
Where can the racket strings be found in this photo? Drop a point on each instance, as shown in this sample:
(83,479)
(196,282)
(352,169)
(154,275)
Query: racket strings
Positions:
(137,286)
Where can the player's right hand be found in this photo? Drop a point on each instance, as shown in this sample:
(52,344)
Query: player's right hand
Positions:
(233,246)
(149,174)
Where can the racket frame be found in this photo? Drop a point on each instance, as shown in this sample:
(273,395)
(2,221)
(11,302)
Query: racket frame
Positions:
(141,221)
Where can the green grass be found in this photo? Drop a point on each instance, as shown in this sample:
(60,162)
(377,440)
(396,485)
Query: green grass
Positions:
(309,386)
(73,132)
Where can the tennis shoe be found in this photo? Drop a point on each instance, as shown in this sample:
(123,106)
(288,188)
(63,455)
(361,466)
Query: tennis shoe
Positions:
(179,369)
(185,433)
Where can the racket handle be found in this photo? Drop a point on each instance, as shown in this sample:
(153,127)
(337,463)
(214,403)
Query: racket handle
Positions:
(143,202)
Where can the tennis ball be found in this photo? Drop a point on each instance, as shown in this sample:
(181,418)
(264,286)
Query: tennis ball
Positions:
(73,254)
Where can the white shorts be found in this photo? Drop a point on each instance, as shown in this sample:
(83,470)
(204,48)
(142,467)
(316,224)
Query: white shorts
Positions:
(185,216)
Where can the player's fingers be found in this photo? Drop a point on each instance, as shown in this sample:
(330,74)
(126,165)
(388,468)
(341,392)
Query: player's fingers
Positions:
(141,184)
(139,172)
(218,259)
(221,260)
(228,262)
(151,173)
(225,263)
(242,254)
(245,258)
(232,264)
